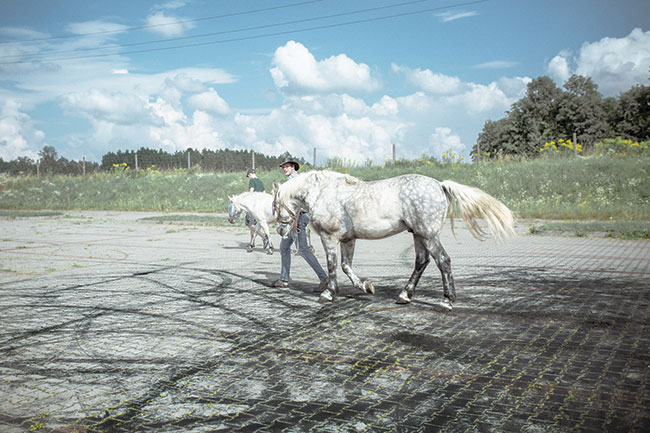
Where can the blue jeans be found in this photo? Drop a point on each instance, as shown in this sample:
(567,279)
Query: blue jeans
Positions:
(303,250)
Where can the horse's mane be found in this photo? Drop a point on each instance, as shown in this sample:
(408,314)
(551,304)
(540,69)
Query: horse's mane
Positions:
(237,199)
(293,187)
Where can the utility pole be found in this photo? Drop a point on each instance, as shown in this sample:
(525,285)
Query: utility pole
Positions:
(394,153)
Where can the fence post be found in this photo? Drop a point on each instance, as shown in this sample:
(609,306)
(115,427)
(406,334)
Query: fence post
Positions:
(38,170)
(575,145)
(83,165)
(252,159)
(188,159)
(314,157)
(393,153)
(136,161)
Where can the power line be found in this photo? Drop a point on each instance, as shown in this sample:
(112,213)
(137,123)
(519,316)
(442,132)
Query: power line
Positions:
(302,20)
(244,38)
(214,17)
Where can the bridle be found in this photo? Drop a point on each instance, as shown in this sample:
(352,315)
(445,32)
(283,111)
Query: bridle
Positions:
(233,212)
(294,215)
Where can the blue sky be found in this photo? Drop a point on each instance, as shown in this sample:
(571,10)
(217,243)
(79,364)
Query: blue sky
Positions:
(349,78)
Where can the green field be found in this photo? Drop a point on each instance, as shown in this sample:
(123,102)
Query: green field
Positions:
(601,188)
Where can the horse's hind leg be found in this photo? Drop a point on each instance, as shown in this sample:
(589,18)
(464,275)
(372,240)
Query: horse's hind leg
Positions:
(421,262)
(347,253)
(266,236)
(444,264)
(251,244)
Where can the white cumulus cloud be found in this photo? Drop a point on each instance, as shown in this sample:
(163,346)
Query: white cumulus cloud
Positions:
(168,26)
(443,142)
(428,81)
(297,71)
(210,101)
(18,136)
(615,64)
(114,107)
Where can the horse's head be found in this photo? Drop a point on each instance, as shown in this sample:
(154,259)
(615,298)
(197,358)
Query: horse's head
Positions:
(233,211)
(286,216)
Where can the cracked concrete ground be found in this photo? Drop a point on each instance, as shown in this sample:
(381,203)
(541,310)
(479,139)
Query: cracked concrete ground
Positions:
(109,324)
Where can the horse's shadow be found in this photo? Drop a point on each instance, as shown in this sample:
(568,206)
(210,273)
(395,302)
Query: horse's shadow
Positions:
(387,291)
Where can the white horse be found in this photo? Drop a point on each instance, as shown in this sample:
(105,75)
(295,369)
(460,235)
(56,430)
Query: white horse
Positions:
(343,208)
(260,206)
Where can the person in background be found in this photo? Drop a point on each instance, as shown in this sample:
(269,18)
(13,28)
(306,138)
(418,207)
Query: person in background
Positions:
(255,184)
(290,169)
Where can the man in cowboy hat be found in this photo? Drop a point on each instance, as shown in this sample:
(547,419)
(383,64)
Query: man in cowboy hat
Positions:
(290,169)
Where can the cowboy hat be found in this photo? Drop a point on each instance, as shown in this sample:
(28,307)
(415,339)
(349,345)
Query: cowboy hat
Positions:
(290,161)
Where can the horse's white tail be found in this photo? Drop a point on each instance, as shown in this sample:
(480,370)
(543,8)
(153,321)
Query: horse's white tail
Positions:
(475,204)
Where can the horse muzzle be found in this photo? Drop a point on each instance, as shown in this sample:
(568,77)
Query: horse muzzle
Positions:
(283,230)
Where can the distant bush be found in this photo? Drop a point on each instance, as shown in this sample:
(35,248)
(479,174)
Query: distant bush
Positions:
(620,147)
(561,147)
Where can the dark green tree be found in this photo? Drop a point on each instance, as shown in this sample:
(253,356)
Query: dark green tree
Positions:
(631,118)
(534,116)
(497,138)
(580,110)
(50,162)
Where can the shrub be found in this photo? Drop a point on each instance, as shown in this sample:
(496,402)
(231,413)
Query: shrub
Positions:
(561,147)
(620,147)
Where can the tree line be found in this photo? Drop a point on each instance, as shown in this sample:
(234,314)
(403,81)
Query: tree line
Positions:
(223,160)
(49,163)
(548,113)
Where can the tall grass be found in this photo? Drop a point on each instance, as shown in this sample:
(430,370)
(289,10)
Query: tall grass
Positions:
(556,188)
(597,187)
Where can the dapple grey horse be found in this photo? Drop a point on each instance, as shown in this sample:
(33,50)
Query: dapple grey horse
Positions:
(343,208)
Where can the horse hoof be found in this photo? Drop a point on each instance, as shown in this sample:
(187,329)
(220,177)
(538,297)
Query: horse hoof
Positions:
(368,287)
(403,299)
(446,304)
(326,296)
(270,252)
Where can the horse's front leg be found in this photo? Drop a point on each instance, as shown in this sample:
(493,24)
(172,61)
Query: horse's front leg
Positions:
(444,264)
(347,253)
(311,247)
(330,244)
